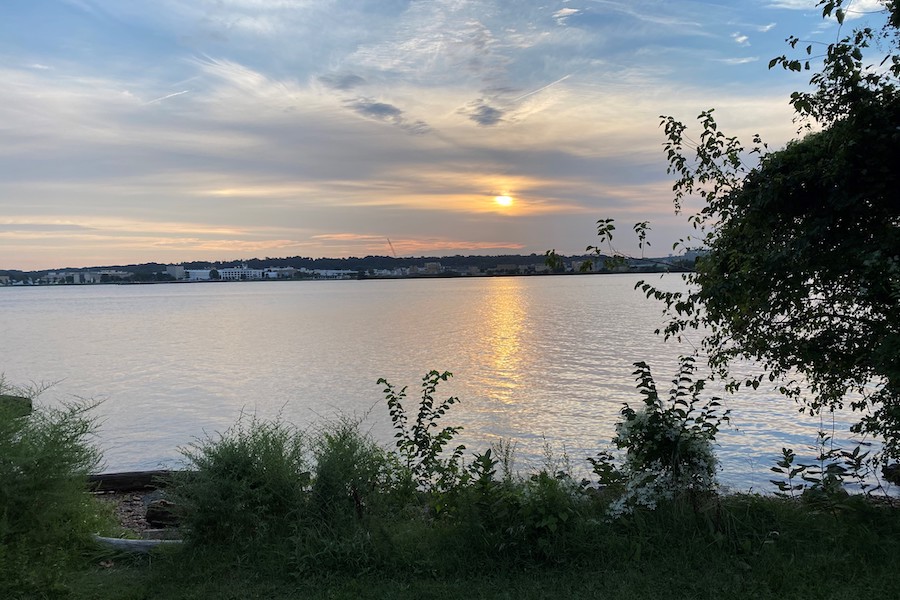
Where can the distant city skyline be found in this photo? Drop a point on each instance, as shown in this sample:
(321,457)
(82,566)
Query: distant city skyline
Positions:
(192,131)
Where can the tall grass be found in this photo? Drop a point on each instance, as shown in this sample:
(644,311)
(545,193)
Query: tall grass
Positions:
(46,516)
(354,476)
(245,489)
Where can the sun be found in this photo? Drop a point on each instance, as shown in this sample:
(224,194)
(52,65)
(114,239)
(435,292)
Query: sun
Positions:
(503,200)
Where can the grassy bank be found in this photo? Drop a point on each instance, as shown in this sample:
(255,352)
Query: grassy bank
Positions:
(272,511)
(741,547)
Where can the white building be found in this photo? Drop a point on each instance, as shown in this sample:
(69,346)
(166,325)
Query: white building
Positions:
(240,273)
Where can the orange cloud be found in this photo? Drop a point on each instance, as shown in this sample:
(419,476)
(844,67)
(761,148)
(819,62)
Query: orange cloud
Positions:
(229,245)
(354,243)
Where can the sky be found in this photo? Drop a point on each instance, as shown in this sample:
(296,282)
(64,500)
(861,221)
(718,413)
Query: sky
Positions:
(189,130)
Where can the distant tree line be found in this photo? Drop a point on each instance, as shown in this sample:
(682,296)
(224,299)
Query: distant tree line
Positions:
(153,271)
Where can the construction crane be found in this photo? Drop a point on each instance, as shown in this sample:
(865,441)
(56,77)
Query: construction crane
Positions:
(394,252)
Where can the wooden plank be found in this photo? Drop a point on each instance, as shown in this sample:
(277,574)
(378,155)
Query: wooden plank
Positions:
(129,481)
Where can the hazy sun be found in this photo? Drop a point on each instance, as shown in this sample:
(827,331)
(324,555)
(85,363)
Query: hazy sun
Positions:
(503,200)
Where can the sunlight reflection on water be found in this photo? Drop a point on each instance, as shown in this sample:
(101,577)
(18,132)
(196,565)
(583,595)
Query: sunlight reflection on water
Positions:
(533,359)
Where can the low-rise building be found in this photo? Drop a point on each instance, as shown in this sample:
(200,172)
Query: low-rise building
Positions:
(197,274)
(115,275)
(507,268)
(240,273)
(280,272)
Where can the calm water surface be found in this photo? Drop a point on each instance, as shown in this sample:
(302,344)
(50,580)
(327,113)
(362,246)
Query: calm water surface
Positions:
(537,360)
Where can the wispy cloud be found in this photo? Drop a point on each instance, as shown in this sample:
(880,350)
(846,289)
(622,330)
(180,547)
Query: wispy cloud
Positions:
(562,14)
(854,9)
(648,14)
(793,4)
(377,244)
(11,227)
(738,61)
(166,97)
(344,82)
(542,88)
(348,237)
(229,247)
(860,8)
(740,39)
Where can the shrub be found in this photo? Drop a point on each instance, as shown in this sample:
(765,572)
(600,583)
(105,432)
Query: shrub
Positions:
(419,447)
(668,445)
(46,516)
(519,518)
(352,474)
(245,489)
(826,480)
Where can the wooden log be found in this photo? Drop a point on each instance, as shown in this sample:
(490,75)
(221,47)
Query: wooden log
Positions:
(129,481)
(135,546)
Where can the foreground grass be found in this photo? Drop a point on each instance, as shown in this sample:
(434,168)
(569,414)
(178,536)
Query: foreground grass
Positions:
(741,547)
(270,511)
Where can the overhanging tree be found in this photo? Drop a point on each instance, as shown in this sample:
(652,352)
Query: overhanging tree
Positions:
(801,271)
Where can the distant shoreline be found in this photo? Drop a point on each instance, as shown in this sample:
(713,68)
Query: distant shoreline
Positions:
(359,277)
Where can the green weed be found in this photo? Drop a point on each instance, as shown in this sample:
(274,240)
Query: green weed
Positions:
(46,515)
(246,489)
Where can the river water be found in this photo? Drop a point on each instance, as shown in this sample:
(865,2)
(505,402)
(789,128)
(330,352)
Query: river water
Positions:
(544,362)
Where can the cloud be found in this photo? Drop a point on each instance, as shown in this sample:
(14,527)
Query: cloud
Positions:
(230,245)
(861,8)
(765,28)
(347,237)
(376,110)
(37,227)
(793,4)
(448,42)
(166,97)
(357,243)
(740,39)
(437,245)
(542,88)
(853,10)
(298,124)
(387,113)
(342,82)
(738,61)
(562,14)
(655,16)
(482,114)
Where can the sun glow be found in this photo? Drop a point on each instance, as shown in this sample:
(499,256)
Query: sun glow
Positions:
(503,200)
